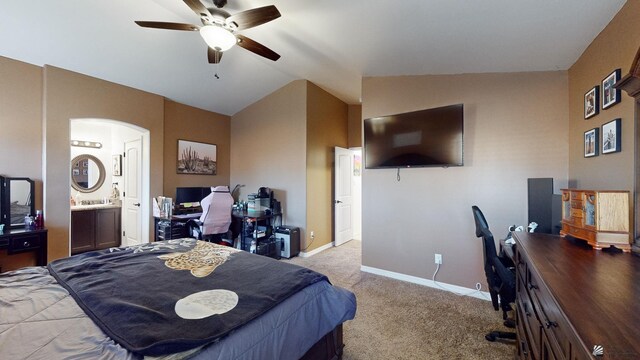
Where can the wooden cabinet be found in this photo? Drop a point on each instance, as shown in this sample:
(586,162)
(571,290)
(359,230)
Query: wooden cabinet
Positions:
(570,298)
(599,217)
(95,229)
(19,241)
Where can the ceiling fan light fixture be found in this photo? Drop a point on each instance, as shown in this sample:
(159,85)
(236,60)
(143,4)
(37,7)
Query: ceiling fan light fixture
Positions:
(217,37)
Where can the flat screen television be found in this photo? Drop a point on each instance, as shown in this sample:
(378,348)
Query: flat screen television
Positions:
(431,137)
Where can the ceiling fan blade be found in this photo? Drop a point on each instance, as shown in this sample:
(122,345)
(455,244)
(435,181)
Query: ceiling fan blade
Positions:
(254,17)
(168,25)
(198,8)
(214,55)
(257,48)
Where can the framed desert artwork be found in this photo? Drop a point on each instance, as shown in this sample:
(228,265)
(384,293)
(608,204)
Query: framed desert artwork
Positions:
(196,158)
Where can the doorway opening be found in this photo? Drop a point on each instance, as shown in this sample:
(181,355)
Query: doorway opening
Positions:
(124,150)
(347,195)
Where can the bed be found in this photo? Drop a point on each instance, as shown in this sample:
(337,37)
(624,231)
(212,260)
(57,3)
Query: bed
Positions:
(171,300)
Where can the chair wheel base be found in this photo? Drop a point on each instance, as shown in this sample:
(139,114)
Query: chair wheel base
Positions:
(510,323)
(494,335)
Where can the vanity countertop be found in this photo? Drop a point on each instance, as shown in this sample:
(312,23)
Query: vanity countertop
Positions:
(94,207)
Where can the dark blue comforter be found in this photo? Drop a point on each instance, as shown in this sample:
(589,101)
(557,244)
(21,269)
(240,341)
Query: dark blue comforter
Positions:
(175,295)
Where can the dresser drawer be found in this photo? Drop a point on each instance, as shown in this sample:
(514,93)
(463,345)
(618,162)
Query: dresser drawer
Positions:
(23,243)
(529,319)
(552,322)
(522,338)
(576,213)
(520,264)
(576,204)
(580,233)
(576,195)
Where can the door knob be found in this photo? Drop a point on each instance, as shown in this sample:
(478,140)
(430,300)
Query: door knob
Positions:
(136,204)
(338,202)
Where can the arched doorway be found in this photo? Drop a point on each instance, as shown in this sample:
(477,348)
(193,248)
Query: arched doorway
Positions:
(124,151)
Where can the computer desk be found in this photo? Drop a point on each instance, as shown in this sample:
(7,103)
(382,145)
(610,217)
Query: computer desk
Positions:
(173,228)
(249,222)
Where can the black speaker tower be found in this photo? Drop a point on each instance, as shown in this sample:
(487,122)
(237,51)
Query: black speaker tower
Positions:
(544,205)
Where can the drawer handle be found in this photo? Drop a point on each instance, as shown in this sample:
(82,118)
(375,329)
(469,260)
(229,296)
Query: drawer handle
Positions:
(550,324)
(26,244)
(532,287)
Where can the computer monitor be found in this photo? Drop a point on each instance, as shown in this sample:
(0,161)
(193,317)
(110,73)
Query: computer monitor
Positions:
(190,195)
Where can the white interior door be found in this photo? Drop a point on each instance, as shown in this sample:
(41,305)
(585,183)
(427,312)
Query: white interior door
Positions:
(343,168)
(132,216)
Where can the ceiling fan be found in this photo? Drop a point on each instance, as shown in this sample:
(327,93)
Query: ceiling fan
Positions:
(220,29)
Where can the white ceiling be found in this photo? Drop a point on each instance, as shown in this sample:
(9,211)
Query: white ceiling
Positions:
(333,43)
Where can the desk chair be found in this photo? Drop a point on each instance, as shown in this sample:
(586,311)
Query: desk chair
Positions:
(500,277)
(216,216)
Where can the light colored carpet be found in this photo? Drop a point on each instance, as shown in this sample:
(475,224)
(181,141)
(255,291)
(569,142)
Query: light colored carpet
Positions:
(400,320)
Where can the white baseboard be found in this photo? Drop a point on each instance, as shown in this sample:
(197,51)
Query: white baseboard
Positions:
(315,251)
(459,290)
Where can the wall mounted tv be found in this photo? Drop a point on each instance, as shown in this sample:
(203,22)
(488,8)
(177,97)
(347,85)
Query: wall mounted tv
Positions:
(431,137)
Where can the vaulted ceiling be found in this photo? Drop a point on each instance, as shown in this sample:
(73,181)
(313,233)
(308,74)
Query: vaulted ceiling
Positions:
(333,43)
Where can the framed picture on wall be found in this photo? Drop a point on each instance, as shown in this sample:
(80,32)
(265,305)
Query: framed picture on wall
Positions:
(591,102)
(117,165)
(196,158)
(591,143)
(610,95)
(611,133)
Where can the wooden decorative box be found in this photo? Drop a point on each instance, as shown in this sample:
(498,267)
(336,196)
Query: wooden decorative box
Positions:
(601,217)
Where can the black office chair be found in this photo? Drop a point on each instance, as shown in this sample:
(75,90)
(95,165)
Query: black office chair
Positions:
(501,276)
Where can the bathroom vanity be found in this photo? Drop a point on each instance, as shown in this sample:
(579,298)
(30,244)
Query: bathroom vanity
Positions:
(95,227)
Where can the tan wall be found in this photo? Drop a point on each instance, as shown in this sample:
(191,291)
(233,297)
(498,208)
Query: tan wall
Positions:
(69,95)
(188,123)
(516,128)
(268,147)
(21,122)
(355,126)
(615,47)
(327,127)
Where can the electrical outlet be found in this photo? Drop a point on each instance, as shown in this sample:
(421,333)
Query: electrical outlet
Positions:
(312,236)
(439,259)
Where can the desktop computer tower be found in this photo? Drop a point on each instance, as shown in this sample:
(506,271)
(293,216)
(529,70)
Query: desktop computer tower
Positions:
(289,236)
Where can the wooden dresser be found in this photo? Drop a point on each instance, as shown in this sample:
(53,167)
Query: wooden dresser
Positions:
(571,298)
(21,241)
(599,217)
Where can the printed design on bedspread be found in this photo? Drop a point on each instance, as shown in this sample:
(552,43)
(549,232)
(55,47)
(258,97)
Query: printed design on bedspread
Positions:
(202,260)
(206,303)
(174,244)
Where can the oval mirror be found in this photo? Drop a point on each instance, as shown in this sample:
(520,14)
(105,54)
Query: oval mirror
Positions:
(87,173)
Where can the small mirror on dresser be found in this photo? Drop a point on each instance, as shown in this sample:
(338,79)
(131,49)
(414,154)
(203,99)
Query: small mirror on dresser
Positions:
(16,200)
